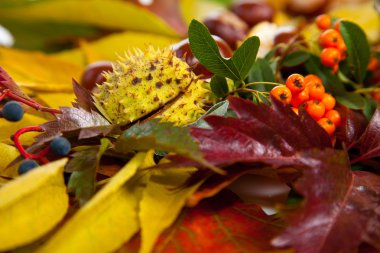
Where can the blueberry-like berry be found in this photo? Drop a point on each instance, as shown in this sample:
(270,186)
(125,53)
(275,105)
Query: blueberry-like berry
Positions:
(60,146)
(13,111)
(26,166)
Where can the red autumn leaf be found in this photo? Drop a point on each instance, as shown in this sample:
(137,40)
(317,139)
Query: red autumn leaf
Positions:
(6,82)
(369,142)
(222,224)
(341,207)
(259,134)
(351,127)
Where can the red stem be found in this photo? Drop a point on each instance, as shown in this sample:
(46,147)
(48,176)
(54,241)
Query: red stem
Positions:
(16,138)
(31,103)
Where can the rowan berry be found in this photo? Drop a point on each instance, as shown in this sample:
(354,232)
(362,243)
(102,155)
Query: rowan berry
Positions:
(334,116)
(323,21)
(337,25)
(330,57)
(330,38)
(315,109)
(373,64)
(12,111)
(282,93)
(301,97)
(327,125)
(316,90)
(312,78)
(329,101)
(376,96)
(295,83)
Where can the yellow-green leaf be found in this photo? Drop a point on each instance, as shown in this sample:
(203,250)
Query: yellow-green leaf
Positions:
(8,153)
(163,199)
(39,71)
(32,205)
(110,47)
(8,128)
(107,220)
(363,15)
(116,14)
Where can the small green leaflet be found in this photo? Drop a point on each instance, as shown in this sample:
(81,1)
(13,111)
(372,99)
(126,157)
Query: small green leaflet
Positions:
(219,86)
(206,50)
(220,109)
(261,72)
(163,136)
(82,181)
(295,58)
(357,49)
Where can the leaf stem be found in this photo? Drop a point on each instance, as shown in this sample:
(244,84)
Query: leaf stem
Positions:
(367,90)
(257,83)
(16,139)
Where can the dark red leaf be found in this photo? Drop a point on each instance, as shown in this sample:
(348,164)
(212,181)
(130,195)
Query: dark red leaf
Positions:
(352,126)
(83,98)
(259,134)
(223,224)
(341,208)
(89,124)
(369,142)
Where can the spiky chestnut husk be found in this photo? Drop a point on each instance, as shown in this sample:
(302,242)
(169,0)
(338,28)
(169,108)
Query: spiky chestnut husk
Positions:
(145,81)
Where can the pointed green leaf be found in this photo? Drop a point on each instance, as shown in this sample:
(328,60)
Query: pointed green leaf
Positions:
(245,56)
(219,86)
(295,58)
(357,49)
(206,50)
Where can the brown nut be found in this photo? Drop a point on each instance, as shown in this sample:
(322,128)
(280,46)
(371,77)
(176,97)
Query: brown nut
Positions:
(253,12)
(92,75)
(227,26)
(182,50)
(310,7)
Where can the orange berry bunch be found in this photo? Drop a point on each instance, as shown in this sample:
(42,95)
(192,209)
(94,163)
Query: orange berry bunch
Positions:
(309,93)
(334,49)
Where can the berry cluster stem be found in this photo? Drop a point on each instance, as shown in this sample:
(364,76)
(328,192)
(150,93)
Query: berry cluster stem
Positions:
(16,138)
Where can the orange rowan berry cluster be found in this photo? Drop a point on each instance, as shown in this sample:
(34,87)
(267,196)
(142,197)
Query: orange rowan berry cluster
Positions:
(309,93)
(334,49)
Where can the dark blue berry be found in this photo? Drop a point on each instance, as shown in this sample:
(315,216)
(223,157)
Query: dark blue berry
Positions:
(60,146)
(26,166)
(13,111)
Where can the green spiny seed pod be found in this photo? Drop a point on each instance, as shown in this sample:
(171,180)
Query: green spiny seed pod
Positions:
(146,81)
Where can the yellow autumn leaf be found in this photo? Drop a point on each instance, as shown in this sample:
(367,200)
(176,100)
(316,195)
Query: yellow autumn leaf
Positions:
(32,205)
(110,47)
(8,128)
(57,99)
(38,71)
(107,220)
(364,15)
(8,153)
(114,14)
(162,201)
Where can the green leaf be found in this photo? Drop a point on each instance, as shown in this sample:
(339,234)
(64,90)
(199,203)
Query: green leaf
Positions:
(357,48)
(162,136)
(206,50)
(85,164)
(331,82)
(245,56)
(369,108)
(352,101)
(295,58)
(161,205)
(261,72)
(220,109)
(219,86)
